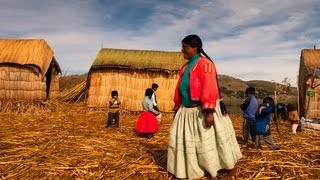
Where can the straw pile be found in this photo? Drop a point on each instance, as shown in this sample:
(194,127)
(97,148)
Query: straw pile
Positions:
(73,143)
(73,94)
(28,107)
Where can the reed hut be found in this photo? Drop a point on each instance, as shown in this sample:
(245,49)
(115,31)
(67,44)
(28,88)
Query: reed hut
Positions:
(28,70)
(309,83)
(130,72)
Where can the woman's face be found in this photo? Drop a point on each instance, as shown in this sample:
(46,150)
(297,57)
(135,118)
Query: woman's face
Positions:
(188,51)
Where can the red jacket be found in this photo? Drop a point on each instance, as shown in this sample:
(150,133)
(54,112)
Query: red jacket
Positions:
(203,84)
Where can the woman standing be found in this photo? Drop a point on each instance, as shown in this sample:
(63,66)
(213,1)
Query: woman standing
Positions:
(201,139)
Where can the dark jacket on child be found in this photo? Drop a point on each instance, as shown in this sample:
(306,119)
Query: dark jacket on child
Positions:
(262,116)
(249,107)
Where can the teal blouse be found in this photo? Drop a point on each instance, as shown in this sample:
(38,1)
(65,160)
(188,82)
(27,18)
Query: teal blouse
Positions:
(185,83)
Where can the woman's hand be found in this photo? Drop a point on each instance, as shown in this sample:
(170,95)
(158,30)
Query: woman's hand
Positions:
(208,118)
(175,108)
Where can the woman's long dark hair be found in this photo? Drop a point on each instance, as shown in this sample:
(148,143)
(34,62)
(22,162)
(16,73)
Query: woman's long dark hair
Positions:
(148,92)
(194,41)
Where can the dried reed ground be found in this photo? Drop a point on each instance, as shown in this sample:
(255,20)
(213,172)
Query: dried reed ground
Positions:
(73,143)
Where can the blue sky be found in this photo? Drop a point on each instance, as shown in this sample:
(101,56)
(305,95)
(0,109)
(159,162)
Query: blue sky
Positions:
(248,39)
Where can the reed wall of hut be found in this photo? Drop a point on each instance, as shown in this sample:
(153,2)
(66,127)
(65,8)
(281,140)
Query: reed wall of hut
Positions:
(308,84)
(131,72)
(131,85)
(312,103)
(19,82)
(28,70)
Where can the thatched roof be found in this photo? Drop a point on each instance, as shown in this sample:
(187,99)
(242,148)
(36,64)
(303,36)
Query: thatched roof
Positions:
(310,59)
(139,59)
(34,52)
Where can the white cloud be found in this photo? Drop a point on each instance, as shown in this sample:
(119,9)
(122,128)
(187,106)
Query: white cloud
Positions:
(244,37)
(274,68)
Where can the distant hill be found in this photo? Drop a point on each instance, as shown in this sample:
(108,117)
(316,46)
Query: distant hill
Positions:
(236,87)
(229,86)
(231,83)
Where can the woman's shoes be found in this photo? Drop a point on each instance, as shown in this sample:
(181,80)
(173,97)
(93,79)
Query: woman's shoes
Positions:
(233,172)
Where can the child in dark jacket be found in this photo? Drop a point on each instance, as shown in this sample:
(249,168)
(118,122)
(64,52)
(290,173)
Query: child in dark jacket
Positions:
(249,108)
(262,125)
(114,108)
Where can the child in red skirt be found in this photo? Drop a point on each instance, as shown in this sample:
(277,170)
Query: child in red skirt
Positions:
(147,124)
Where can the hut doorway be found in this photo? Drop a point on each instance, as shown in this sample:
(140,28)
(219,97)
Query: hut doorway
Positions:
(48,81)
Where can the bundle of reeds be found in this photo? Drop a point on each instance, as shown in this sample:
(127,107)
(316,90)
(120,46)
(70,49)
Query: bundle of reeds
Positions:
(73,94)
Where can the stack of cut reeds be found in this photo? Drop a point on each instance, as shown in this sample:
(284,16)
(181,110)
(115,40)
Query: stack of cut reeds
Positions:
(73,94)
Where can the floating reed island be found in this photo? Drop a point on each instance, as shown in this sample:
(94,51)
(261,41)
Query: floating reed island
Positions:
(73,143)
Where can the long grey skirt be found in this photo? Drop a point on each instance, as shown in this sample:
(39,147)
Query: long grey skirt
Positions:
(195,150)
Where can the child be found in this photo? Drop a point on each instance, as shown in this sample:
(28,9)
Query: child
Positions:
(293,116)
(262,125)
(249,108)
(147,123)
(114,109)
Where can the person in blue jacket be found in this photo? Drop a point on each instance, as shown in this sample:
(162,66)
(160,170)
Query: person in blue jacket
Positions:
(262,125)
(249,108)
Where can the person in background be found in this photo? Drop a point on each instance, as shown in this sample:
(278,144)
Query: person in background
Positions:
(293,116)
(281,110)
(155,87)
(249,108)
(262,125)
(147,124)
(201,139)
(114,108)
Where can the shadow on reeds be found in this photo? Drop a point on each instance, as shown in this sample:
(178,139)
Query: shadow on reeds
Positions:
(158,152)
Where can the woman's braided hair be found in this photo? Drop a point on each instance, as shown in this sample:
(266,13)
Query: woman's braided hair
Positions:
(194,41)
